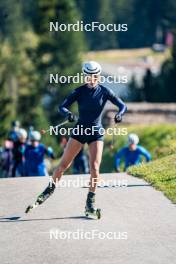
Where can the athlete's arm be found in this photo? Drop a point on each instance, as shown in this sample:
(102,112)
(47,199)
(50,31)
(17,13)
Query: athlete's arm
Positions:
(145,153)
(117,101)
(63,108)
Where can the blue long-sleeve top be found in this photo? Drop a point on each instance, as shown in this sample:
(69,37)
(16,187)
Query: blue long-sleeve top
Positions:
(91,102)
(34,159)
(131,157)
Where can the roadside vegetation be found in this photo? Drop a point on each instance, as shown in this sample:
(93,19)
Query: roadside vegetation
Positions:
(160,173)
(160,140)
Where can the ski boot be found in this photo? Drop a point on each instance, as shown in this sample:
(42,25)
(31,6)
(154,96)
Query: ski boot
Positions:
(90,210)
(42,197)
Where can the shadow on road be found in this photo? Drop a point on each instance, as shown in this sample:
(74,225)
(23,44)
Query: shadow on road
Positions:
(138,185)
(121,186)
(18,219)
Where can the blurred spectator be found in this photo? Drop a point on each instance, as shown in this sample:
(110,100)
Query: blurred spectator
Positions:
(80,163)
(6,159)
(18,153)
(131,153)
(14,130)
(34,156)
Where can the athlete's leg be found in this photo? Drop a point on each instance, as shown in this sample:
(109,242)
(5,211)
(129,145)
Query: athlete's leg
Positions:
(95,156)
(71,150)
(73,147)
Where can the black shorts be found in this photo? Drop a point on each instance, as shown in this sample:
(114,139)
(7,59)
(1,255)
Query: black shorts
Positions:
(85,138)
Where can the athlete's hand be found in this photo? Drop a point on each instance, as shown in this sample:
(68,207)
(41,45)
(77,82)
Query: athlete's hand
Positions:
(118,118)
(72,117)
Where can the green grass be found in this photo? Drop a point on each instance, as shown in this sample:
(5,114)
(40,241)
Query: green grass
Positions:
(160,173)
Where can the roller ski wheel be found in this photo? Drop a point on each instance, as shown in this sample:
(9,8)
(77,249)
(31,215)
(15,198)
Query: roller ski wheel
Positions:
(93,214)
(42,197)
(30,207)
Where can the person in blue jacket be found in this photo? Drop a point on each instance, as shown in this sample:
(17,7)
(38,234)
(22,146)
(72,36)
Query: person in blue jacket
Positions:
(34,156)
(19,146)
(132,153)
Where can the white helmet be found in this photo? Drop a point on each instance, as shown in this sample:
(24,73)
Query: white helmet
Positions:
(133,139)
(22,133)
(91,67)
(35,135)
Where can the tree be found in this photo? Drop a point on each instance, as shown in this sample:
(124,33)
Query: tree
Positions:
(10,37)
(98,11)
(57,52)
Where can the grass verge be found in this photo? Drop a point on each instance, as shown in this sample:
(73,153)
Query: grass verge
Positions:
(160,173)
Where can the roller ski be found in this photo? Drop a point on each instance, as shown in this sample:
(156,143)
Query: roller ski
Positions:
(42,197)
(90,210)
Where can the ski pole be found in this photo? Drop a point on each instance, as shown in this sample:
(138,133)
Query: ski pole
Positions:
(43,131)
(113,139)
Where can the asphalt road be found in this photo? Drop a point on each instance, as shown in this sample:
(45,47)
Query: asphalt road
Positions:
(138,224)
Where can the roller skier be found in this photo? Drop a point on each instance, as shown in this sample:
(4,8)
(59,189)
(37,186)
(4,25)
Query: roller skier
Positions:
(91,99)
